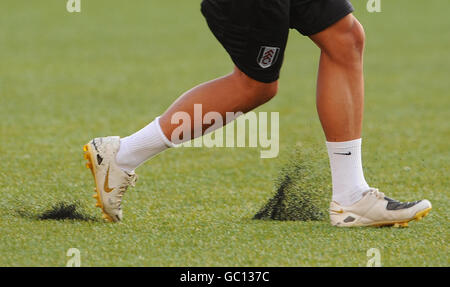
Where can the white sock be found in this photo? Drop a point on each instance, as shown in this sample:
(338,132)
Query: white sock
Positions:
(346,171)
(141,146)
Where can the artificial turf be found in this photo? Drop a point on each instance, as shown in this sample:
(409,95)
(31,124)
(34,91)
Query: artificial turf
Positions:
(109,70)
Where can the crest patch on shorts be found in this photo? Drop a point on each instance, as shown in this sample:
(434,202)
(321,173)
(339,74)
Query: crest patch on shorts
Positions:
(267,56)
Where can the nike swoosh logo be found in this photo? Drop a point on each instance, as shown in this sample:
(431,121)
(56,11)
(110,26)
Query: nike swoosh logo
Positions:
(337,211)
(343,153)
(106,185)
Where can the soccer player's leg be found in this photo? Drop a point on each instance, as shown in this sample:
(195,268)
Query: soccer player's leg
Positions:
(255,38)
(340,97)
(233,93)
(257,55)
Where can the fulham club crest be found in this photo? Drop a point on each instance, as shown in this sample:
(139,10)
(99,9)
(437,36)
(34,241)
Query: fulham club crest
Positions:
(268,56)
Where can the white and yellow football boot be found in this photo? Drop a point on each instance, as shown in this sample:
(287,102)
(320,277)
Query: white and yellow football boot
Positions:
(111,182)
(375,209)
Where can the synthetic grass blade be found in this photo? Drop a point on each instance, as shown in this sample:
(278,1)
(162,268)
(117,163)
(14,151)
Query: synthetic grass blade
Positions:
(301,191)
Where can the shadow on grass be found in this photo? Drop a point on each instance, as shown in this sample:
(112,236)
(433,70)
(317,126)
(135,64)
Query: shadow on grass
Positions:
(59,211)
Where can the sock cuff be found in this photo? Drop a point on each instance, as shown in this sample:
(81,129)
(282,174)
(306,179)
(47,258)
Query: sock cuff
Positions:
(163,136)
(347,144)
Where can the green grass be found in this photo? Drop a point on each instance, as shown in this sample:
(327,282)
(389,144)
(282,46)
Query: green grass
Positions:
(66,78)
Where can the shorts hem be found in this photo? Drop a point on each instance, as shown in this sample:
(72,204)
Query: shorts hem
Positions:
(255,75)
(329,23)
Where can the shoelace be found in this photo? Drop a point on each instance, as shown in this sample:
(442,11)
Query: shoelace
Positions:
(131,181)
(378,194)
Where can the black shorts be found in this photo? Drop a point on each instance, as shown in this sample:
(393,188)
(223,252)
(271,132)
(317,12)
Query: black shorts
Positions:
(255,32)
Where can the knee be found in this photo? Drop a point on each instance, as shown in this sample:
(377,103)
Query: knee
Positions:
(264,92)
(357,38)
(346,44)
(256,93)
